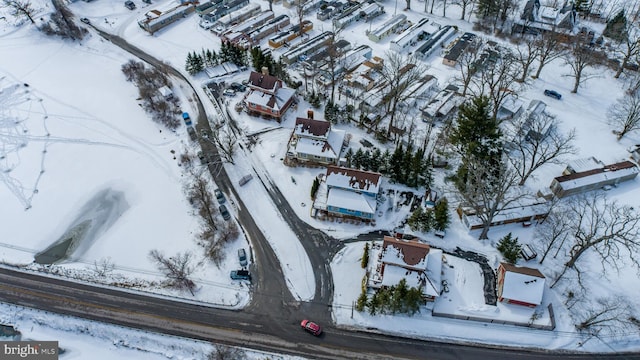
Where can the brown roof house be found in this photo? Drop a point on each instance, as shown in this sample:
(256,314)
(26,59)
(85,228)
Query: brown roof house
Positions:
(267,95)
(349,193)
(418,263)
(520,285)
(592,177)
(314,141)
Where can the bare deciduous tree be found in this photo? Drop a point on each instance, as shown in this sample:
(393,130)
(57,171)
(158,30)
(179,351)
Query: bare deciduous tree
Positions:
(464,5)
(399,74)
(553,233)
(607,317)
(224,352)
(469,62)
(497,81)
(176,268)
(21,9)
(103,267)
(225,140)
(624,114)
(490,191)
(526,53)
(199,195)
(549,48)
(62,24)
(628,49)
(602,226)
(581,57)
(538,141)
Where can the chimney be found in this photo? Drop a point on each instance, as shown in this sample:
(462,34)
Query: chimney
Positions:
(309,114)
(265,70)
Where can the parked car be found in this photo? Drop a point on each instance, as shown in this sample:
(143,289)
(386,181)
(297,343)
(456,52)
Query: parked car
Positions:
(238,87)
(186,118)
(85,20)
(219,196)
(245,179)
(192,133)
(240,275)
(224,212)
(311,327)
(242,257)
(229,92)
(553,94)
(202,157)
(129,5)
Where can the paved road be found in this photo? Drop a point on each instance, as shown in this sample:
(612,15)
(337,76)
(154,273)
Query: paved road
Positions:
(240,328)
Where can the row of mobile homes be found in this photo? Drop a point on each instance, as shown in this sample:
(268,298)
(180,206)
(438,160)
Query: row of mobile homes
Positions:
(207,7)
(538,209)
(155,20)
(393,25)
(272,26)
(290,34)
(458,48)
(350,15)
(330,10)
(593,179)
(366,75)
(252,23)
(442,105)
(303,50)
(437,41)
(414,34)
(223,9)
(235,17)
(421,91)
(321,58)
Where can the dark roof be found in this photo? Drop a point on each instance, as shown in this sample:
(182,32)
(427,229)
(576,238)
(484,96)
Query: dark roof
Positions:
(413,251)
(260,80)
(314,127)
(460,46)
(361,177)
(613,167)
(522,270)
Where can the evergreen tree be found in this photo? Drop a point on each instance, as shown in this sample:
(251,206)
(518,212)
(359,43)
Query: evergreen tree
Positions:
(362,301)
(426,221)
(314,187)
(331,112)
(366,160)
(385,161)
(441,215)
(395,164)
(376,160)
(349,156)
(358,159)
(488,9)
(616,28)
(365,256)
(414,220)
(413,300)
(373,303)
(509,248)
(400,292)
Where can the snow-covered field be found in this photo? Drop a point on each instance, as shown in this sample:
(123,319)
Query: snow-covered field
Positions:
(71,128)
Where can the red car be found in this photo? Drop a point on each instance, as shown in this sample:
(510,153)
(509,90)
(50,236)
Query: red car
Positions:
(311,327)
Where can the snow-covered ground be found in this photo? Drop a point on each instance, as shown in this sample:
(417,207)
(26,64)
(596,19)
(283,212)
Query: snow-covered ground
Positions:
(71,128)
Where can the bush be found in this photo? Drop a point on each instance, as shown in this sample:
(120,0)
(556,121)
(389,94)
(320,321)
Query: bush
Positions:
(509,248)
(365,256)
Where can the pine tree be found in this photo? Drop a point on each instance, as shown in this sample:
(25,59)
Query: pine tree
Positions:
(376,160)
(314,187)
(365,256)
(400,292)
(385,161)
(349,156)
(362,301)
(366,160)
(413,300)
(616,28)
(426,221)
(441,215)
(414,220)
(509,248)
(358,159)
(395,164)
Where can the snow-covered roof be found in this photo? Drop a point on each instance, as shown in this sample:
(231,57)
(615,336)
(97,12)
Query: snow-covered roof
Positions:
(393,274)
(581,165)
(521,212)
(523,284)
(345,199)
(328,148)
(352,179)
(406,253)
(595,176)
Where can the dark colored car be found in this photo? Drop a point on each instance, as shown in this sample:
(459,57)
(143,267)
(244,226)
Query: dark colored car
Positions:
(240,275)
(311,327)
(219,196)
(224,212)
(553,94)
(85,20)
(129,5)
